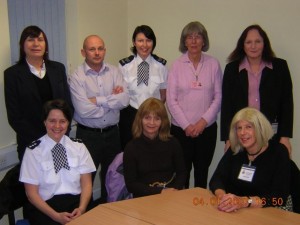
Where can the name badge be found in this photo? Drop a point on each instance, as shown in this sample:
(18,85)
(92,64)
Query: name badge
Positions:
(247,173)
(196,85)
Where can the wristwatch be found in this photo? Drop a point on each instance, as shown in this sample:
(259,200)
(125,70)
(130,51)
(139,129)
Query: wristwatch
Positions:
(249,201)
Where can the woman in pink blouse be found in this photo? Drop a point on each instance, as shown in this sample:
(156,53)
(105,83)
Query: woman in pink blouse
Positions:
(194,100)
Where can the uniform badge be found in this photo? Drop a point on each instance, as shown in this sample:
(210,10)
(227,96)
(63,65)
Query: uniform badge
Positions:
(33,144)
(159,59)
(76,140)
(127,60)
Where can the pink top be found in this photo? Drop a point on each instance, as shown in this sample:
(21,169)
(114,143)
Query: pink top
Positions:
(194,94)
(254,82)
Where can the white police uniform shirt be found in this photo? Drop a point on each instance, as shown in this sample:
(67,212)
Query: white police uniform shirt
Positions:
(157,78)
(38,168)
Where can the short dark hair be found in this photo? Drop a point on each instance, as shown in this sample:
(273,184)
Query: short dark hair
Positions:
(239,54)
(59,104)
(32,31)
(148,32)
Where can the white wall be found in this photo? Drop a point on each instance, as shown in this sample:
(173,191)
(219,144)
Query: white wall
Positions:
(7,136)
(106,18)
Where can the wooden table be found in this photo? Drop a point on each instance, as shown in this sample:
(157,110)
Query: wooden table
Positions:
(186,207)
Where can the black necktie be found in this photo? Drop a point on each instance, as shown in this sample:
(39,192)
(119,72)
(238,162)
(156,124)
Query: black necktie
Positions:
(143,73)
(60,159)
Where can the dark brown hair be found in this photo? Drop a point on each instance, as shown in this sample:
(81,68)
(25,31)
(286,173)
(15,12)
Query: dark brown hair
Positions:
(157,107)
(239,54)
(31,31)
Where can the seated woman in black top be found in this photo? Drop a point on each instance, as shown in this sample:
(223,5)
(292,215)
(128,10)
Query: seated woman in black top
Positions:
(256,171)
(153,160)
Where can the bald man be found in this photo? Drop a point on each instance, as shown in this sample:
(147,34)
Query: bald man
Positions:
(98,93)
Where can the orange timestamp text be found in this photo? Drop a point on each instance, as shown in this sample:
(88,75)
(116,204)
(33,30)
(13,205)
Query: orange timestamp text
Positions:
(215,201)
(200,201)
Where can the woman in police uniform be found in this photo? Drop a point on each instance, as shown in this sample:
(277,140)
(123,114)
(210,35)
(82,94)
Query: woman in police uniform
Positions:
(146,76)
(56,171)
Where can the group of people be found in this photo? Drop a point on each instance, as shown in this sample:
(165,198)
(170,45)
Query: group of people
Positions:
(123,109)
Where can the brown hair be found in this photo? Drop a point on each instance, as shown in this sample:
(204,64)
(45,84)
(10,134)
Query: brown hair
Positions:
(239,54)
(32,31)
(155,106)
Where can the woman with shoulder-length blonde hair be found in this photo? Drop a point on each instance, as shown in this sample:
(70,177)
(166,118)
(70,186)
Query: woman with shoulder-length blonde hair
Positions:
(255,172)
(262,128)
(153,159)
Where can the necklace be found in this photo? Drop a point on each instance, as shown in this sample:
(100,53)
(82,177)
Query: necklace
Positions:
(254,154)
(194,71)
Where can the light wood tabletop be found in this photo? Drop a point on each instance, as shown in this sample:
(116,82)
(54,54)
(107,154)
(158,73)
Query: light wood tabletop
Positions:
(186,207)
(104,216)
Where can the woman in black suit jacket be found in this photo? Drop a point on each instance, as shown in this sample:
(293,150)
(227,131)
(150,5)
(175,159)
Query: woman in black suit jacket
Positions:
(30,83)
(255,77)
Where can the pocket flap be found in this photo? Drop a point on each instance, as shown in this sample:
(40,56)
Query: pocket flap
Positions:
(48,165)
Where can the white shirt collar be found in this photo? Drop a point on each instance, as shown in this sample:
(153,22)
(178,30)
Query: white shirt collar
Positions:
(40,74)
(139,59)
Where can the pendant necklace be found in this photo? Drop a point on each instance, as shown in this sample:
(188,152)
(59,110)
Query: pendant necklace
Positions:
(194,71)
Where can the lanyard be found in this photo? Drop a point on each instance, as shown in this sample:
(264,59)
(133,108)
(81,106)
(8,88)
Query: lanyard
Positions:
(195,71)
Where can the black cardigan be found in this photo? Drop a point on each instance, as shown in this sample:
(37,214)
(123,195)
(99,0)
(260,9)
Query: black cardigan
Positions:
(276,96)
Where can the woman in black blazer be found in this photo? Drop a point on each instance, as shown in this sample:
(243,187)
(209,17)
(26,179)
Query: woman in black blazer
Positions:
(255,77)
(30,83)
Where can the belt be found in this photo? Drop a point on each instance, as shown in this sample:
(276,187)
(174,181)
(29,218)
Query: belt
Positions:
(100,130)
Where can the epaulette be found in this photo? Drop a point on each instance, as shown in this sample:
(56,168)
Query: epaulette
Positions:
(127,60)
(33,144)
(76,140)
(159,59)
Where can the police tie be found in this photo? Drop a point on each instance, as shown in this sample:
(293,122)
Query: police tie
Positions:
(143,73)
(60,159)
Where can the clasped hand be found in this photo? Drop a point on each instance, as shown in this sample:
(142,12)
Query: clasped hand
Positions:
(66,217)
(230,202)
(193,130)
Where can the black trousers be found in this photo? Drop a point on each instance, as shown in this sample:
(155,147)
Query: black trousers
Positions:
(127,116)
(198,152)
(103,147)
(60,203)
